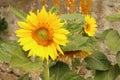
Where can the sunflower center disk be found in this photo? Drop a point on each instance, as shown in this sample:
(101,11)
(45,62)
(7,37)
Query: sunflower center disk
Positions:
(42,34)
(87,27)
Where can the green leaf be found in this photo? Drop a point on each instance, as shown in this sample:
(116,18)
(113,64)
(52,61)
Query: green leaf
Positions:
(75,22)
(76,62)
(11,52)
(113,17)
(3,25)
(89,78)
(111,74)
(24,77)
(73,17)
(89,45)
(118,58)
(61,71)
(75,43)
(71,76)
(112,40)
(18,13)
(97,61)
(79,42)
(103,35)
(74,27)
(54,9)
(7,48)
(20,60)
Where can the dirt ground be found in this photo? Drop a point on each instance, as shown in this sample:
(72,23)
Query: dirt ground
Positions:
(100,9)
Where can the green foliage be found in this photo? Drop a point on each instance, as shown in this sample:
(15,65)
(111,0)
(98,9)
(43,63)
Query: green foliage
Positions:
(74,27)
(89,45)
(113,17)
(103,35)
(74,22)
(89,79)
(54,9)
(118,58)
(11,52)
(77,18)
(75,43)
(20,60)
(112,40)
(77,39)
(24,77)
(3,25)
(7,48)
(110,74)
(76,62)
(79,42)
(97,61)
(18,13)
(61,71)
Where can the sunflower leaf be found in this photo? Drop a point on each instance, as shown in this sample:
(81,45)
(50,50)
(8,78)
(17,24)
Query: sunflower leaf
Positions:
(112,40)
(110,74)
(74,27)
(18,13)
(3,25)
(75,43)
(61,71)
(103,35)
(79,42)
(89,78)
(97,61)
(113,17)
(20,60)
(73,17)
(54,9)
(11,52)
(118,58)
(75,22)
(6,50)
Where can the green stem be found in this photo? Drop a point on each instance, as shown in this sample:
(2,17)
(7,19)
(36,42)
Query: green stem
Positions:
(46,70)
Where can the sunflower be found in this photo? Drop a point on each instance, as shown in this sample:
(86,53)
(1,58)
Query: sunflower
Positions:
(90,25)
(71,55)
(41,34)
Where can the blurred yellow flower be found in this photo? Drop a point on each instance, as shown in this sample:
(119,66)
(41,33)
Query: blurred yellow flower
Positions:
(71,55)
(90,25)
(41,34)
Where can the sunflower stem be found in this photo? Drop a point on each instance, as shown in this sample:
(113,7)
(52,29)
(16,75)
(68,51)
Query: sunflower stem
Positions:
(46,70)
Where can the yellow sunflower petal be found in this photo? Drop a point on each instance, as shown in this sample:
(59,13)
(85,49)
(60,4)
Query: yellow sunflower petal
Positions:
(60,36)
(25,25)
(54,50)
(23,33)
(62,31)
(41,34)
(32,19)
(90,26)
(28,45)
(58,48)
(42,15)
